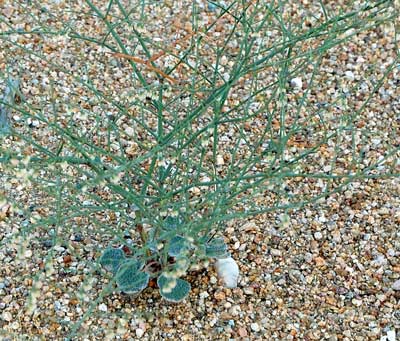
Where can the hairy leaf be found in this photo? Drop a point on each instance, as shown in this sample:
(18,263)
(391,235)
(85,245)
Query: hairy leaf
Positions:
(216,248)
(111,259)
(172,223)
(130,279)
(177,246)
(173,289)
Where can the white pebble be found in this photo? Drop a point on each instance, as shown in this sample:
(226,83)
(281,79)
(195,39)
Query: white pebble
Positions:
(396,285)
(360,60)
(276,252)
(6,316)
(213,322)
(220,160)
(213,280)
(139,332)
(391,335)
(15,325)
(349,75)
(318,235)
(376,141)
(33,123)
(228,271)
(296,83)
(28,254)
(327,168)
(380,260)
(223,60)
(255,327)
(102,307)
(204,295)
(130,131)
(59,248)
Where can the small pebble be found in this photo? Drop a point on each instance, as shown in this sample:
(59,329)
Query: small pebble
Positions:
(296,83)
(276,252)
(213,280)
(47,243)
(59,248)
(242,332)
(220,295)
(318,235)
(255,327)
(6,316)
(57,305)
(391,335)
(77,237)
(396,285)
(139,332)
(248,290)
(130,131)
(213,322)
(7,299)
(228,271)
(103,307)
(204,295)
(349,75)
(15,325)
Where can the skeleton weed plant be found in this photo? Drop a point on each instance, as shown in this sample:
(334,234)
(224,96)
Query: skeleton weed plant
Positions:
(149,146)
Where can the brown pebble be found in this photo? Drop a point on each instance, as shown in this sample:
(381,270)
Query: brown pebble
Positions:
(225,316)
(319,261)
(220,295)
(67,260)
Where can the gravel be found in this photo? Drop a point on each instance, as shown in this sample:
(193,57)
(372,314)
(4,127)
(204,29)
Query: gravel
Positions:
(326,271)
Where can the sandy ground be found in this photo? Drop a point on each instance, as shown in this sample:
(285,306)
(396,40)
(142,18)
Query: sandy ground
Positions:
(331,271)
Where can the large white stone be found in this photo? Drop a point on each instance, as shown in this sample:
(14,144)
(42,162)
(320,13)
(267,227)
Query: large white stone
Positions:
(228,271)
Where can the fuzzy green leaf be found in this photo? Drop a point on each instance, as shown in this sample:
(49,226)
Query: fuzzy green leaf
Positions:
(152,246)
(177,246)
(172,223)
(173,289)
(130,279)
(111,259)
(216,248)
